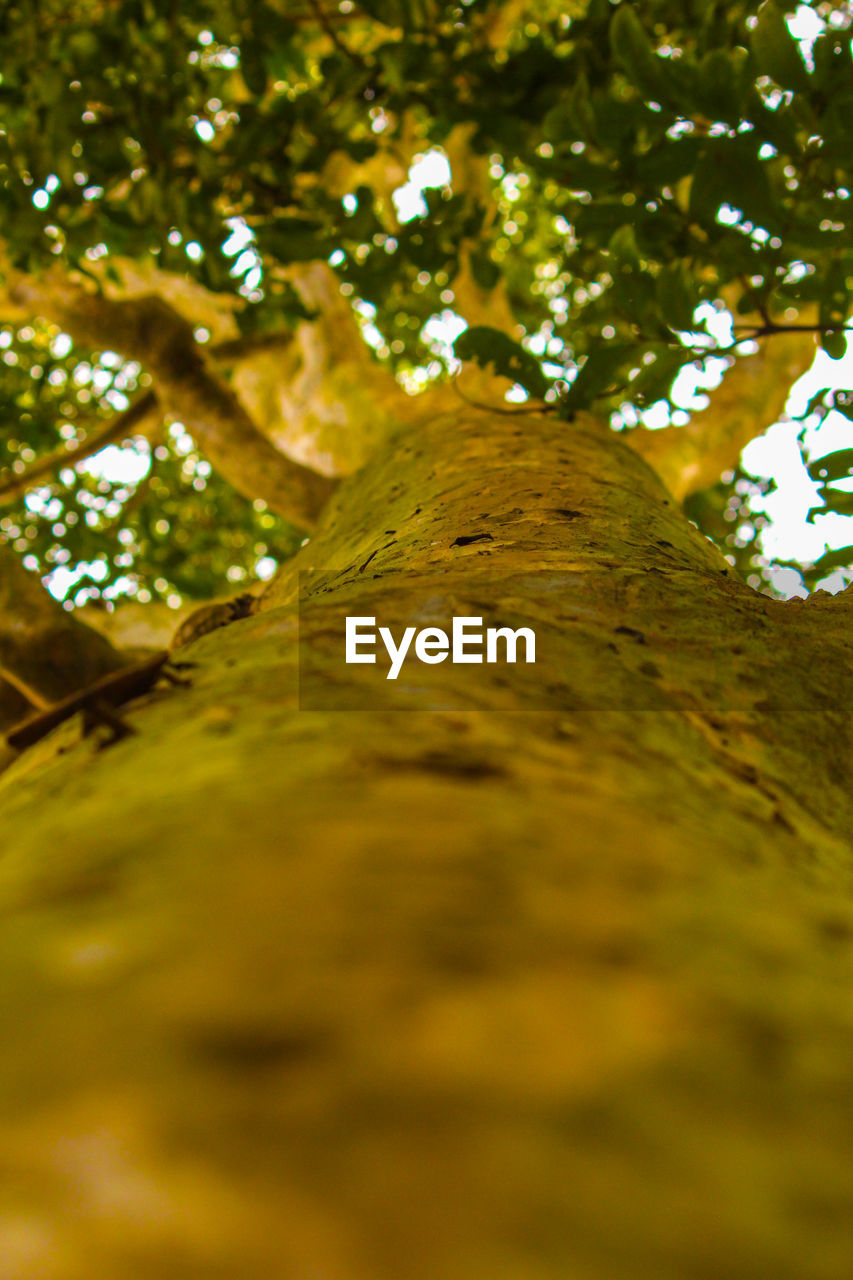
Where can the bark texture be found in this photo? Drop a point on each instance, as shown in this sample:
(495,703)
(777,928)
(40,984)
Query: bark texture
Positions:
(495,992)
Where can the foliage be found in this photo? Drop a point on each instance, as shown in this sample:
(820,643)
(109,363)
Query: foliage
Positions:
(640,165)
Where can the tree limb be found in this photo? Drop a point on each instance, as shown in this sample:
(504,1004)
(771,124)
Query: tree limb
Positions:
(133,419)
(750,398)
(117,428)
(46,652)
(148,329)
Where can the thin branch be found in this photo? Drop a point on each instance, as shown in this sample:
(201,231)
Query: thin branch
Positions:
(31,695)
(767,330)
(116,429)
(129,420)
(323,19)
(239,348)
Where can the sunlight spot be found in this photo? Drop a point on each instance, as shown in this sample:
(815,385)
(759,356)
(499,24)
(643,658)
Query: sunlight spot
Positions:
(427,171)
(265,568)
(119,466)
(241,236)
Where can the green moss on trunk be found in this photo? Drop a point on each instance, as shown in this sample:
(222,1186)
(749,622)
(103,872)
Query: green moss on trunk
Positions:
(482,993)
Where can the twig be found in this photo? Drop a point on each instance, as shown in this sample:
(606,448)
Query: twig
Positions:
(116,429)
(323,19)
(31,695)
(237,348)
(767,330)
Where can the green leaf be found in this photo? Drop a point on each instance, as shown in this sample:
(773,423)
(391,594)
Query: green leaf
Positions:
(580,108)
(838,501)
(676,298)
(654,380)
(842,402)
(486,273)
(490,348)
(834,466)
(601,372)
(623,246)
(775,50)
(838,558)
(253,68)
(631,48)
(730,171)
(721,83)
(291,240)
(834,344)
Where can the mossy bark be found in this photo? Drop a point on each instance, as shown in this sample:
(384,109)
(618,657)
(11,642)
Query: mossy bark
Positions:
(489,992)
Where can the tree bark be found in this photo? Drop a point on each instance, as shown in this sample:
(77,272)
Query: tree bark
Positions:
(553,983)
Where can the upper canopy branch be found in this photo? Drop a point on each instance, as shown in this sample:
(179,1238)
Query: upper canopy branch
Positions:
(751,397)
(150,330)
(140,415)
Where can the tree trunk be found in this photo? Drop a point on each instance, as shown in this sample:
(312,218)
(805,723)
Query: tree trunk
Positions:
(519,973)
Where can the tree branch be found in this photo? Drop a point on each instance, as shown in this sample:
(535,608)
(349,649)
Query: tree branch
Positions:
(148,329)
(341,46)
(14,706)
(131,420)
(117,428)
(750,398)
(240,348)
(46,652)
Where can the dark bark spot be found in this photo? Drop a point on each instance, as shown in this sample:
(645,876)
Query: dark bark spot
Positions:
(254,1048)
(650,669)
(463,765)
(662,542)
(367,561)
(466,540)
(780,820)
(766,1040)
(620,953)
(835,929)
(567,513)
(632,632)
(458,958)
(83,884)
(743,770)
(454,765)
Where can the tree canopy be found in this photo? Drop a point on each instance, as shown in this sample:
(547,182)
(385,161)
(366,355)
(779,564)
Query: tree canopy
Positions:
(202,219)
